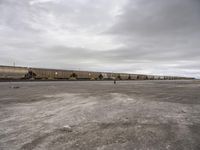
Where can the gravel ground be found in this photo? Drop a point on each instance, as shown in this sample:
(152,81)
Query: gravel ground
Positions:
(98,115)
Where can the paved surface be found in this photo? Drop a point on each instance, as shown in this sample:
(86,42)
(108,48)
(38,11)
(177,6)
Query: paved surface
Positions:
(140,115)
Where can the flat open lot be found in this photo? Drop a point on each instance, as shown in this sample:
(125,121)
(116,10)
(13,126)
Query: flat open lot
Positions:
(89,115)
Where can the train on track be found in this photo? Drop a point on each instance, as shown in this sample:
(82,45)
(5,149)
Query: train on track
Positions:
(26,73)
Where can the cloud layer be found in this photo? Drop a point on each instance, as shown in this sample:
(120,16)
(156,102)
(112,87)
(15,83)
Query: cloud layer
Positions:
(136,36)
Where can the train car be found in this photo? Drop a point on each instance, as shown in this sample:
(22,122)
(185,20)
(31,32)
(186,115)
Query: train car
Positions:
(161,77)
(95,75)
(87,75)
(38,73)
(150,77)
(156,77)
(105,75)
(115,76)
(10,72)
(124,76)
(142,77)
(110,76)
(81,75)
(118,76)
(134,76)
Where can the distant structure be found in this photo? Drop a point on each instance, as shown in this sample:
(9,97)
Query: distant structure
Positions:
(25,73)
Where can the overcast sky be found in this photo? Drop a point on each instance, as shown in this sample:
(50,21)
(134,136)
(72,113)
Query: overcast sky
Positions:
(135,36)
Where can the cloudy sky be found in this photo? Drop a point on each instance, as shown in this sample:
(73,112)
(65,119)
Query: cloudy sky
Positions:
(136,36)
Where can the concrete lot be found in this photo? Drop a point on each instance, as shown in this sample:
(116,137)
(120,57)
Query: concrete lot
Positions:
(89,115)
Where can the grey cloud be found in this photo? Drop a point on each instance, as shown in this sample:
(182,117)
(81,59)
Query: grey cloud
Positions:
(159,17)
(163,31)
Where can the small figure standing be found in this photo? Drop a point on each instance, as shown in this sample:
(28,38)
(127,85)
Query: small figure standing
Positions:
(114,81)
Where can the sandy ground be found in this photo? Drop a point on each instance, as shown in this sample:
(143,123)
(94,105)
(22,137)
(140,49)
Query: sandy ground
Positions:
(95,115)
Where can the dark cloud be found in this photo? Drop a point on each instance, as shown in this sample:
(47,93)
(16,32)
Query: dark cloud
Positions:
(140,36)
(159,18)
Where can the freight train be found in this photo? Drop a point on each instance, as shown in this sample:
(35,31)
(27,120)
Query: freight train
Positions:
(26,73)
